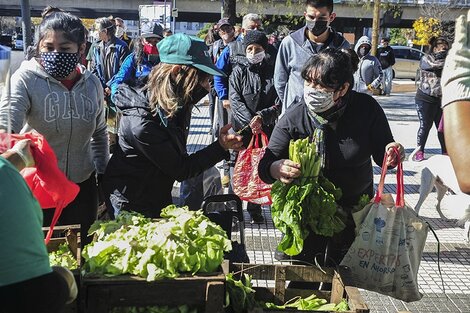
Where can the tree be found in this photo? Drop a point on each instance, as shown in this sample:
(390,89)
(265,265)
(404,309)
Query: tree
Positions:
(7,24)
(426,28)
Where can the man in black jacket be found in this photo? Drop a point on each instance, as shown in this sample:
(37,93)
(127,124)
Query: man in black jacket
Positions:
(387,60)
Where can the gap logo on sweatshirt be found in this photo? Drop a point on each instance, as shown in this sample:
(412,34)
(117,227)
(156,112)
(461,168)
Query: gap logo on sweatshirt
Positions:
(64,105)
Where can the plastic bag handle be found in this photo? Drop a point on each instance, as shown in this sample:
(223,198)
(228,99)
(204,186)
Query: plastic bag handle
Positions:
(400,199)
(254,142)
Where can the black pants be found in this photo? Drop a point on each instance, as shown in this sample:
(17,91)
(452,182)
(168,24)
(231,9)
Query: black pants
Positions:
(429,112)
(81,211)
(44,294)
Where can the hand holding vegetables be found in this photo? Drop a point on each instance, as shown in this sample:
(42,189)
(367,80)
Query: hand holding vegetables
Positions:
(392,158)
(255,124)
(285,170)
(230,141)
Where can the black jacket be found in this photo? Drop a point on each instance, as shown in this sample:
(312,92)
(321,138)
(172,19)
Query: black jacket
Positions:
(361,132)
(252,93)
(386,56)
(151,156)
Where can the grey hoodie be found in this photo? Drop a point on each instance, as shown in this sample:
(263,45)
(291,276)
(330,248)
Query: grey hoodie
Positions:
(369,70)
(73,122)
(295,50)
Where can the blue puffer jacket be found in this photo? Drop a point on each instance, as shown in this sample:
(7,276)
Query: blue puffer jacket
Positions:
(130,71)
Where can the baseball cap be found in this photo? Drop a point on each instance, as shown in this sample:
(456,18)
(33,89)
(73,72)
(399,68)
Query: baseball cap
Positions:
(187,50)
(222,22)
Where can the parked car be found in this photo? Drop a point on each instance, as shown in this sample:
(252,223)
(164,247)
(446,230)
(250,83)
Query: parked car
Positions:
(18,42)
(406,62)
(6,40)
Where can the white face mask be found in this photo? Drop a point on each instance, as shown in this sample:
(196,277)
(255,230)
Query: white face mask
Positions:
(119,31)
(255,58)
(318,101)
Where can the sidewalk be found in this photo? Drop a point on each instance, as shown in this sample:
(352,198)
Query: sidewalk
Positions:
(261,240)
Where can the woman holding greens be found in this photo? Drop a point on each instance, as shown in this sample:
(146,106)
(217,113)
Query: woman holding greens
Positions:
(348,128)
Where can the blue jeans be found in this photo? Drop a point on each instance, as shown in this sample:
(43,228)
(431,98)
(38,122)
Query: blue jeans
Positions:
(387,80)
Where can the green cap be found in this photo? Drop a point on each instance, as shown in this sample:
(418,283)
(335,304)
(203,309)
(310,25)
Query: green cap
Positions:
(188,50)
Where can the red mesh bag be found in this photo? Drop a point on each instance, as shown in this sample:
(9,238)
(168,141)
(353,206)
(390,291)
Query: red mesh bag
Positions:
(246,182)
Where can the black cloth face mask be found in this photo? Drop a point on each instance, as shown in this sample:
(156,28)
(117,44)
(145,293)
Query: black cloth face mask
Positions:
(317,27)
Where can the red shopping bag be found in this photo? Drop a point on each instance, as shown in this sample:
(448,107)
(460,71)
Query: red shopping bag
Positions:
(47,182)
(246,182)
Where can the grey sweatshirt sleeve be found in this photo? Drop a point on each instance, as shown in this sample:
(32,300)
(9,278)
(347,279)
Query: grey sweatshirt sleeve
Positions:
(99,139)
(20,105)
(281,70)
(378,74)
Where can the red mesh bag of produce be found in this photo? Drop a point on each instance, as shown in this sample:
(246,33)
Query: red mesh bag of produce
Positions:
(246,182)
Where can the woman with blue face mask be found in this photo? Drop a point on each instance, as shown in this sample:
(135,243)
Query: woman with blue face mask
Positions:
(59,98)
(348,127)
(253,98)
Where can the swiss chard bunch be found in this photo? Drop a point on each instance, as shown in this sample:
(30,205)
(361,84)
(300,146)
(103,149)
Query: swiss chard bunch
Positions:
(308,204)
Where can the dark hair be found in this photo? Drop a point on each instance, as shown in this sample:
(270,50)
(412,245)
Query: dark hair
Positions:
(320,4)
(434,41)
(330,68)
(69,24)
(386,39)
(49,10)
(138,50)
(354,58)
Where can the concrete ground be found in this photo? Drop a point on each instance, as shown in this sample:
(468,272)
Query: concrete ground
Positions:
(454,256)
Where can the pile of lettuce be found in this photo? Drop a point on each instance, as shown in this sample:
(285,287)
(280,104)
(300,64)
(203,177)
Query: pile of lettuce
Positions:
(182,242)
(309,203)
(63,257)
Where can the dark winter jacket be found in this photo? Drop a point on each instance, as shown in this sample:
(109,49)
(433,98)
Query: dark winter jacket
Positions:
(361,132)
(252,93)
(151,156)
(386,56)
(430,70)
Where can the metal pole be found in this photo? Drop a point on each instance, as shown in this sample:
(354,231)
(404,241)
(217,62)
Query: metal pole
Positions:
(173,18)
(26,24)
(164,14)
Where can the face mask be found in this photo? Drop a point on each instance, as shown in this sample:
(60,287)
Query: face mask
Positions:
(318,101)
(226,37)
(317,27)
(363,51)
(440,55)
(256,58)
(59,64)
(119,31)
(150,49)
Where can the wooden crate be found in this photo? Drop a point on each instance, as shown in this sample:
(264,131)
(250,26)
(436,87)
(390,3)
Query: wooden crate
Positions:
(280,274)
(206,292)
(69,234)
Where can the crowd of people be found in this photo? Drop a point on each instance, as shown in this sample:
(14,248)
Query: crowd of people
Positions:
(117,112)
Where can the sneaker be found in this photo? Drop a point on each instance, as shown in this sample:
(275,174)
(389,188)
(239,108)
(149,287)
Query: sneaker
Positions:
(419,156)
(257,218)
(225,181)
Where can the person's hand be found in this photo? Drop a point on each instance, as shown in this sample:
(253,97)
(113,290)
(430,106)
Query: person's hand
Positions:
(226,104)
(392,158)
(23,149)
(369,87)
(255,124)
(69,279)
(285,170)
(230,141)
(107,91)
(455,80)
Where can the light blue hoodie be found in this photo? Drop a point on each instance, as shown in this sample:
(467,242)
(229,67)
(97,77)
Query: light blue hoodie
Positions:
(72,121)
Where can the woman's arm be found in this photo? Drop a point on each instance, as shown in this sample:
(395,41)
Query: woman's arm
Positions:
(99,142)
(17,109)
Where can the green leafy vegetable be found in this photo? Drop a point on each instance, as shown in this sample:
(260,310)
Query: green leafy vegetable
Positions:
(239,295)
(63,257)
(311,303)
(308,204)
(185,241)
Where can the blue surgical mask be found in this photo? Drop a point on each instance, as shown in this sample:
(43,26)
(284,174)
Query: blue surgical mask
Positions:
(59,64)
(318,101)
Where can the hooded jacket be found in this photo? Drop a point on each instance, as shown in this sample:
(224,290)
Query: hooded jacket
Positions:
(369,71)
(72,122)
(430,71)
(295,50)
(252,93)
(151,155)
